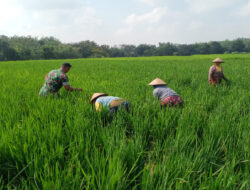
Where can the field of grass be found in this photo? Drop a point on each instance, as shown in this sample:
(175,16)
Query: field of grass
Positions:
(62,143)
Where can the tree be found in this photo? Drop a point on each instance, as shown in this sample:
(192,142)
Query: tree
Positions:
(116,52)
(184,49)
(203,48)
(86,48)
(166,49)
(227,46)
(216,48)
(27,47)
(247,45)
(238,46)
(129,50)
(50,41)
(66,51)
(7,52)
(145,50)
(106,50)
(48,52)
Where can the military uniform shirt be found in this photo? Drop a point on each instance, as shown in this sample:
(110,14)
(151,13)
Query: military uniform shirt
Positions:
(54,80)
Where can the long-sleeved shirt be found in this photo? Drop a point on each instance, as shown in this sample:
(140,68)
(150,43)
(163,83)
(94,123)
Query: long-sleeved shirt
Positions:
(163,92)
(215,74)
(54,80)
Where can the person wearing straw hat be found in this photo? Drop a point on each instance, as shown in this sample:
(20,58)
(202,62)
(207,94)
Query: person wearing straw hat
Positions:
(112,103)
(166,95)
(216,72)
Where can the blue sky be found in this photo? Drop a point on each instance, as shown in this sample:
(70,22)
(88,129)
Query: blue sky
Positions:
(127,22)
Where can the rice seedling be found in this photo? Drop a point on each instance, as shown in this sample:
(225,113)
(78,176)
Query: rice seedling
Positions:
(62,143)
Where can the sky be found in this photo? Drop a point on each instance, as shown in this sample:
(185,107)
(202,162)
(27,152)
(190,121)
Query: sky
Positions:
(115,22)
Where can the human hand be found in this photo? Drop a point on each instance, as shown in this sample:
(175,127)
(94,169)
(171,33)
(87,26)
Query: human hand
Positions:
(79,89)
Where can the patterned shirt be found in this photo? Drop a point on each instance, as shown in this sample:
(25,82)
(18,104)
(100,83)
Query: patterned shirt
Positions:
(107,102)
(215,75)
(162,92)
(54,80)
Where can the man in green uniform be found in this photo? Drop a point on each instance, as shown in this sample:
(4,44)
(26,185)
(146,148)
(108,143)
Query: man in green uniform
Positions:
(55,79)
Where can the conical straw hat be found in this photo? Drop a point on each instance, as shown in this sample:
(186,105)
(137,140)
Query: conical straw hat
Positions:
(157,81)
(96,95)
(218,60)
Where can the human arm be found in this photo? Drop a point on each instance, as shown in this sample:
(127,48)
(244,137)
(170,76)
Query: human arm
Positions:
(155,93)
(98,106)
(223,76)
(69,88)
(211,76)
(65,82)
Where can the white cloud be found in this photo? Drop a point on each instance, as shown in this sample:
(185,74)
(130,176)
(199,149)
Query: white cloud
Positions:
(124,31)
(194,25)
(161,24)
(152,17)
(203,6)
(123,22)
(70,26)
(50,4)
(135,25)
(245,10)
(8,13)
(67,20)
(148,2)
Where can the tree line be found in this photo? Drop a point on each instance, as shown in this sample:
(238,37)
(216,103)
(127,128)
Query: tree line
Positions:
(27,47)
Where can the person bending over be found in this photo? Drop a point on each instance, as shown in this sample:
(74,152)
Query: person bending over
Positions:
(166,95)
(112,103)
(55,79)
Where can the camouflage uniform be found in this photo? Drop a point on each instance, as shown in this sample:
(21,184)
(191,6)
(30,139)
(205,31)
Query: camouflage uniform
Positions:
(54,80)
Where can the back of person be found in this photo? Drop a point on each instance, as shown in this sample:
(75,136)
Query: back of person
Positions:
(106,101)
(162,92)
(54,80)
(111,103)
(166,95)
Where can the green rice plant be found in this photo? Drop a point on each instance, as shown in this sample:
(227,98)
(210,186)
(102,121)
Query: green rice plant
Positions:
(62,143)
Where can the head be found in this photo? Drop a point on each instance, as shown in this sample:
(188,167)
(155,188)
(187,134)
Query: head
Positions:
(65,67)
(95,96)
(157,86)
(157,82)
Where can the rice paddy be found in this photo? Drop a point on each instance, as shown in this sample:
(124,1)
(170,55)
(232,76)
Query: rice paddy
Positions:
(62,143)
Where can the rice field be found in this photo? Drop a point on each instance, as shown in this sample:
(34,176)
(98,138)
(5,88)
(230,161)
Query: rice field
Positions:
(62,143)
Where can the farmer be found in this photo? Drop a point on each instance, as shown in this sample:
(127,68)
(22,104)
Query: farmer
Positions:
(55,79)
(166,95)
(112,103)
(216,72)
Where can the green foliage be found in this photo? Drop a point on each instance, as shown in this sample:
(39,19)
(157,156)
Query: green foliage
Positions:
(238,45)
(166,49)
(28,48)
(62,143)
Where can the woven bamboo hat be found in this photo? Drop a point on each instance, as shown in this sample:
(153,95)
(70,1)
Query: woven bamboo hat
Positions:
(97,95)
(157,81)
(218,60)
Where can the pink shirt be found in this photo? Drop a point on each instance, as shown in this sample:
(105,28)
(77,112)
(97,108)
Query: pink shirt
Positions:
(215,74)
